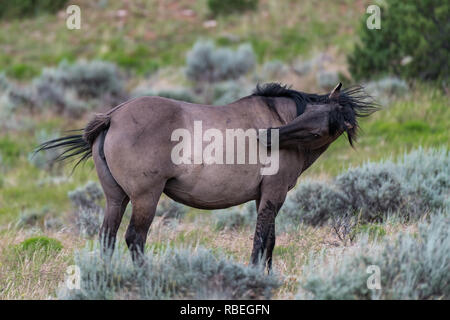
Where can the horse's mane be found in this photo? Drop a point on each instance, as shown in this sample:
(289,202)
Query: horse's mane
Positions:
(354,100)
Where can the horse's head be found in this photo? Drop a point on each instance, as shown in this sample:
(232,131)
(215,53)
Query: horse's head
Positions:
(324,121)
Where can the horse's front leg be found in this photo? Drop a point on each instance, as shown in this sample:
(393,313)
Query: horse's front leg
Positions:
(264,238)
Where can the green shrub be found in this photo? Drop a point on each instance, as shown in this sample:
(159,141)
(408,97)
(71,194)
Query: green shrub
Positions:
(40,243)
(313,203)
(168,273)
(220,7)
(417,30)
(32,217)
(25,8)
(229,219)
(411,267)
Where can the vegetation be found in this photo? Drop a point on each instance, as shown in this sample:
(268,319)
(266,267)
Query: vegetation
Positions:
(24,8)
(89,213)
(32,244)
(385,202)
(168,273)
(218,7)
(169,209)
(411,267)
(418,35)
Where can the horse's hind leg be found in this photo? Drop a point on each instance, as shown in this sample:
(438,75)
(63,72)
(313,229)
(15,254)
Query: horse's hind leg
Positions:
(116,202)
(269,204)
(144,207)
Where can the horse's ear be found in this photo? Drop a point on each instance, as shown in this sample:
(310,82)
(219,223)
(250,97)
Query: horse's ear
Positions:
(336,91)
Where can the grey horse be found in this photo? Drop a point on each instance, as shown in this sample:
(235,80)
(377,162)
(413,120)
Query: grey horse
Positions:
(132,146)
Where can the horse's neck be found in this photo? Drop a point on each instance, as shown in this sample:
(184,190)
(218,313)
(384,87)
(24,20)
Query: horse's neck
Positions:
(286,109)
(311,156)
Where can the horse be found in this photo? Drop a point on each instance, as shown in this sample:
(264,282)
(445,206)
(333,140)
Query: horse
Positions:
(132,147)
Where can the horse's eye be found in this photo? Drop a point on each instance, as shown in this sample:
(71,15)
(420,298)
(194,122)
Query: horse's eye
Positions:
(315,135)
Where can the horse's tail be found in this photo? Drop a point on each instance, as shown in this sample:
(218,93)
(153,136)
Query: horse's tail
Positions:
(78,144)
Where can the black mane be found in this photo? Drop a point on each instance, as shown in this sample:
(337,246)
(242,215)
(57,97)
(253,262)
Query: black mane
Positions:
(354,100)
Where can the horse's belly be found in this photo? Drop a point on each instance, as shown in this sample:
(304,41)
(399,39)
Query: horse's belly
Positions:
(215,186)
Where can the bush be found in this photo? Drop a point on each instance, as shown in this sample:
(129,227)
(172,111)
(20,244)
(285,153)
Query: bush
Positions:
(229,219)
(13,96)
(427,179)
(88,221)
(89,214)
(313,203)
(235,218)
(411,267)
(4,82)
(75,88)
(169,209)
(417,30)
(206,63)
(72,88)
(273,70)
(169,273)
(327,79)
(373,189)
(219,7)
(47,93)
(415,185)
(410,188)
(25,8)
(89,79)
(180,94)
(87,196)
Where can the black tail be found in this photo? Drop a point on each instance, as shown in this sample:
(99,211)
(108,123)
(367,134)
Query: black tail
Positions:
(78,144)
